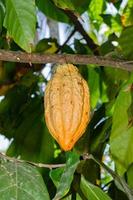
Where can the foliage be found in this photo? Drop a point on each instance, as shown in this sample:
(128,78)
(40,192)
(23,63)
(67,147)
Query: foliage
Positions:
(21,181)
(109,134)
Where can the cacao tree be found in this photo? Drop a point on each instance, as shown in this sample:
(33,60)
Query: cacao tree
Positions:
(96,165)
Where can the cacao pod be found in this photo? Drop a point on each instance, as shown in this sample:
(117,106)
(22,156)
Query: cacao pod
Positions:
(67,105)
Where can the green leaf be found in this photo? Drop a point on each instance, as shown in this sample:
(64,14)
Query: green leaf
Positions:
(81,48)
(87,142)
(94,81)
(31,131)
(50,10)
(64,4)
(21,181)
(78,197)
(101,135)
(127,17)
(114,22)
(67,176)
(107,47)
(81,6)
(116,193)
(46,144)
(125,43)
(130,176)
(124,187)
(2,13)
(122,130)
(75,5)
(92,192)
(94,11)
(68,197)
(55,175)
(10,112)
(113,79)
(22,118)
(20,21)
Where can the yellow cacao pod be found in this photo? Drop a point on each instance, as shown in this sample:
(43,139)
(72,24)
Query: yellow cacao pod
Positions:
(67,105)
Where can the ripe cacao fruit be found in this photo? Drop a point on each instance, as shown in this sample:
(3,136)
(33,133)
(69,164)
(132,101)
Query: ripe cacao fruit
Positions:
(67,105)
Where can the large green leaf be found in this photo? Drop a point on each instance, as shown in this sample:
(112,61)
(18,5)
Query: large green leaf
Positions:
(75,5)
(50,10)
(20,21)
(92,192)
(122,130)
(67,176)
(14,103)
(21,181)
(22,118)
(31,131)
(125,43)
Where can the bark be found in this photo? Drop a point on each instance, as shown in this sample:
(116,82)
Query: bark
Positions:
(22,57)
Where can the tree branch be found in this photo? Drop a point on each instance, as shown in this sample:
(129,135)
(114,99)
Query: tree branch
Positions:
(69,37)
(120,180)
(116,177)
(81,30)
(78,26)
(22,57)
(50,166)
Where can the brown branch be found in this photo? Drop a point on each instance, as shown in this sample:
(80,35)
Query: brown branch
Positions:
(78,26)
(128,190)
(81,30)
(69,37)
(22,57)
(41,165)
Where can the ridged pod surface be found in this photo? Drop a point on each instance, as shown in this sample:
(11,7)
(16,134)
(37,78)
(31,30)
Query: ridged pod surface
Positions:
(67,105)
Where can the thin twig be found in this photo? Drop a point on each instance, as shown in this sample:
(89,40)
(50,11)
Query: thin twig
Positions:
(120,180)
(81,30)
(69,37)
(22,57)
(107,184)
(74,19)
(41,165)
